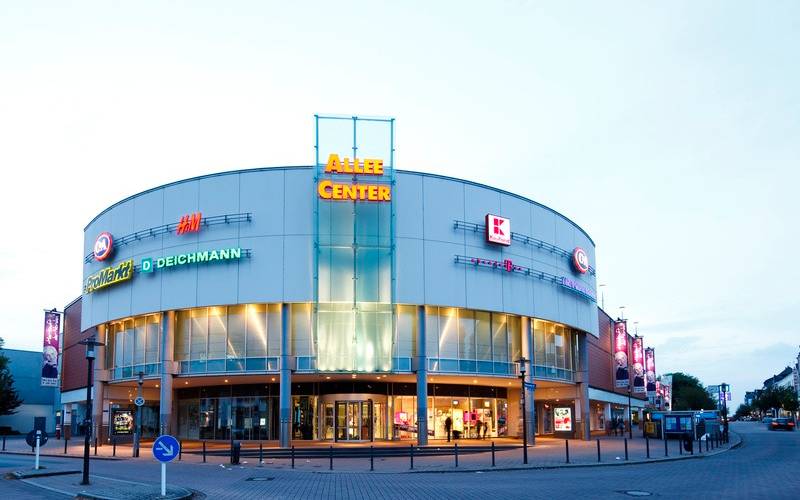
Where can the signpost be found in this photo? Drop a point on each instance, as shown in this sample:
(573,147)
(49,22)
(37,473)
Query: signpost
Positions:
(165,449)
(139,401)
(36,439)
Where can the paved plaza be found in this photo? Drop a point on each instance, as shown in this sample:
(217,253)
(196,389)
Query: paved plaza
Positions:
(764,465)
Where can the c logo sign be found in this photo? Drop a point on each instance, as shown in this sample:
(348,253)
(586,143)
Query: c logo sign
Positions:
(103,246)
(580,260)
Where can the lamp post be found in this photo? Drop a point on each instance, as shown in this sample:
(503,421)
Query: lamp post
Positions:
(522,362)
(137,432)
(90,344)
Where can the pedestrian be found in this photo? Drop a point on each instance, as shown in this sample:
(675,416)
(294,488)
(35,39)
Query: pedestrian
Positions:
(485,428)
(478,426)
(448,426)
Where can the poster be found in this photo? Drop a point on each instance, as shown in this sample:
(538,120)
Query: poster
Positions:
(621,354)
(122,422)
(563,419)
(650,372)
(638,365)
(52,331)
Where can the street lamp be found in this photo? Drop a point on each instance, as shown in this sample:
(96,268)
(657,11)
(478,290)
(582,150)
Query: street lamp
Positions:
(90,344)
(137,433)
(522,362)
(724,388)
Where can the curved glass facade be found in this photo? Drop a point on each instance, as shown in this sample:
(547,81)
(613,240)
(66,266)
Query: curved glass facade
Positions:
(133,346)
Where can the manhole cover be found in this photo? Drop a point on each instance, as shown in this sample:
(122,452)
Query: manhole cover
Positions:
(259,479)
(637,493)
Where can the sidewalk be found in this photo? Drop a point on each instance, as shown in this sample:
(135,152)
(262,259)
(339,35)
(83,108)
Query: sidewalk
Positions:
(103,487)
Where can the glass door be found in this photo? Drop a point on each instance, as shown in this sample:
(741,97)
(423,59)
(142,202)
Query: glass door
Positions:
(353,420)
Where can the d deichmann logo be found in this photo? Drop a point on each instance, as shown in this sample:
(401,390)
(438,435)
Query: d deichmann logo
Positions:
(109,276)
(149,265)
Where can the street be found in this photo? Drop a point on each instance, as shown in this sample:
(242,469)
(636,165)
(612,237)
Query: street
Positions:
(764,466)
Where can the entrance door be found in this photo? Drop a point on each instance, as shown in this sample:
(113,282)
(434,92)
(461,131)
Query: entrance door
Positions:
(353,420)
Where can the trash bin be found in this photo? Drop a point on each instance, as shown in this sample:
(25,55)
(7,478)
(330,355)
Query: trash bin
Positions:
(236,449)
(688,443)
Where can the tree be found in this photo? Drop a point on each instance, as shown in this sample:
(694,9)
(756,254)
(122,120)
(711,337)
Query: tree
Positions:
(773,398)
(9,397)
(689,394)
(743,410)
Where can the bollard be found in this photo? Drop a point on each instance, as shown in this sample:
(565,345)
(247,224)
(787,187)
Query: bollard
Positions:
(492,453)
(626,448)
(647,444)
(180,450)
(598,451)
(456,453)
(680,446)
(113,447)
(706,444)
(666,450)
(292,456)
(699,446)
(260,453)
(4,444)
(65,444)
(204,452)
(566,447)
(371,458)
(95,446)
(330,455)
(412,457)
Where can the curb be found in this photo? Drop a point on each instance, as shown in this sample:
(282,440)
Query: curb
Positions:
(50,455)
(38,474)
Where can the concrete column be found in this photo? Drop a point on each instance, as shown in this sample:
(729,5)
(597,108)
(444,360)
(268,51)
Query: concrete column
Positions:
(526,337)
(285,389)
(167,372)
(583,387)
(422,380)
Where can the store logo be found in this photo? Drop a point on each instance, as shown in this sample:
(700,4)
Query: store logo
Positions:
(329,190)
(149,265)
(109,276)
(580,261)
(103,246)
(190,223)
(498,230)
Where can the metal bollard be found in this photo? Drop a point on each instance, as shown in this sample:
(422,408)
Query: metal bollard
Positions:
(114,447)
(566,447)
(680,446)
(699,446)
(292,456)
(330,456)
(260,453)
(180,450)
(4,444)
(626,448)
(371,458)
(65,444)
(666,449)
(204,452)
(647,444)
(95,446)
(706,445)
(412,457)
(456,453)
(492,453)
(598,450)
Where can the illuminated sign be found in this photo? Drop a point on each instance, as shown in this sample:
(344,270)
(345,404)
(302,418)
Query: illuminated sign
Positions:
(329,190)
(580,261)
(621,354)
(122,422)
(103,246)
(109,276)
(498,230)
(149,265)
(189,223)
(562,419)
(638,365)
(578,287)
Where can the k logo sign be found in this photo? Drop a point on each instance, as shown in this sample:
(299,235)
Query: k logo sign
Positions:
(498,230)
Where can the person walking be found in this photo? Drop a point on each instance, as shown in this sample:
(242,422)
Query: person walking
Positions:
(478,426)
(448,426)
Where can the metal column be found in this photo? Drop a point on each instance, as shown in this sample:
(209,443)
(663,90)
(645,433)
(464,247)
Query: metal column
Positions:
(526,336)
(285,397)
(167,371)
(422,380)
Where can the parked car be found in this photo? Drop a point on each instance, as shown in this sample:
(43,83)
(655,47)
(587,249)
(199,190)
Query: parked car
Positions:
(781,423)
(766,420)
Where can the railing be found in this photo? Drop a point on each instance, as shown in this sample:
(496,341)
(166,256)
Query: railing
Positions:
(471,366)
(126,372)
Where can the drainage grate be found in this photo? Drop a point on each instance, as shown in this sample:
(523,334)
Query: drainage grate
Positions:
(259,478)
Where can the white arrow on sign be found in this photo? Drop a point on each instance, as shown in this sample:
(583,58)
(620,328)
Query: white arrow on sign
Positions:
(168,452)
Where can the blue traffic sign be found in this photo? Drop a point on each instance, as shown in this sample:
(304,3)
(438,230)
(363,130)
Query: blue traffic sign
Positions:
(166,448)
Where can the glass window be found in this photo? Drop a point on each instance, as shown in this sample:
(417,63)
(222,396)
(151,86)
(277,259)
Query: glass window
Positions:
(538,342)
(499,337)
(406,330)
(119,343)
(274,330)
(199,333)
(256,330)
(336,274)
(153,338)
(466,334)
(515,337)
(483,335)
(301,334)
(182,339)
(236,332)
(448,333)
(139,338)
(432,332)
(559,342)
(373,269)
(550,345)
(127,358)
(217,332)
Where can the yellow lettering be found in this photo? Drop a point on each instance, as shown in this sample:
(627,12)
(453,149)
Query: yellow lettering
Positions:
(333,166)
(384,193)
(372,193)
(349,192)
(378,167)
(357,168)
(337,191)
(347,167)
(324,189)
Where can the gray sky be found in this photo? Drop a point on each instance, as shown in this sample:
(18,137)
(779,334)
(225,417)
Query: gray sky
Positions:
(669,131)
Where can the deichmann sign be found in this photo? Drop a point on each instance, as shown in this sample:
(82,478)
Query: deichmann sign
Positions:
(498,230)
(149,265)
(329,190)
(109,276)
(621,354)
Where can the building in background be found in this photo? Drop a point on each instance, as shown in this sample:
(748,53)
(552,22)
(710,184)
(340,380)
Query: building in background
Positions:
(37,401)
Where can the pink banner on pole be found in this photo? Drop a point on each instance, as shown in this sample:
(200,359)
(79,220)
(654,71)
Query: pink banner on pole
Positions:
(638,365)
(621,354)
(52,331)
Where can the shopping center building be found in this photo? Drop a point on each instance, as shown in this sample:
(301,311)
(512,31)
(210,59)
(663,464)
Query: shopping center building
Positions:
(342,301)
